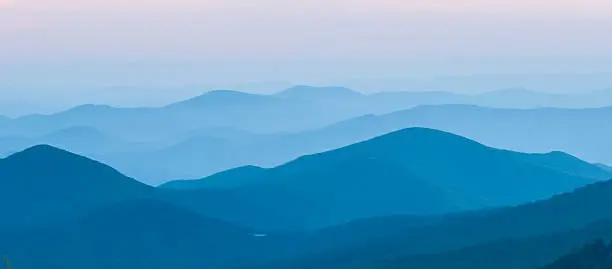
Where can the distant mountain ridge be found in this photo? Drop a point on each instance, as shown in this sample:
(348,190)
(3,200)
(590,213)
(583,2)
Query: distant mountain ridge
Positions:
(340,102)
(320,94)
(580,132)
(303,120)
(78,139)
(223,97)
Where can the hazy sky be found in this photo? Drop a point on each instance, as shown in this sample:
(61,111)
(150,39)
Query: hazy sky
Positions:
(88,43)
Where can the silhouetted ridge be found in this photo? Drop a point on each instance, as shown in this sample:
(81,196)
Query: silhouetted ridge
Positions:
(232,178)
(571,165)
(42,151)
(425,137)
(47,157)
(412,171)
(52,161)
(44,182)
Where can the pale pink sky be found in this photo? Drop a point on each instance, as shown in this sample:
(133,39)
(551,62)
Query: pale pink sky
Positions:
(278,27)
(488,5)
(248,40)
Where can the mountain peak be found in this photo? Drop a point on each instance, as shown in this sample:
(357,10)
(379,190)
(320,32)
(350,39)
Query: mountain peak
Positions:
(42,150)
(89,108)
(77,130)
(516,92)
(45,183)
(63,167)
(221,98)
(303,91)
(423,136)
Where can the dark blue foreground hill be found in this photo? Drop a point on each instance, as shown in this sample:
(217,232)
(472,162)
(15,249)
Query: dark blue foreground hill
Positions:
(44,183)
(412,171)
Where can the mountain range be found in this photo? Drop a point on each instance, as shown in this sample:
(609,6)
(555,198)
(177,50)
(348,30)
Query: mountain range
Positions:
(261,112)
(251,112)
(414,198)
(583,133)
(221,130)
(412,171)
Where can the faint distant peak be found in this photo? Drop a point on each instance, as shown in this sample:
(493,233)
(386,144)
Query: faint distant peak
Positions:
(444,108)
(90,107)
(515,91)
(221,97)
(604,166)
(77,132)
(417,92)
(303,91)
(227,93)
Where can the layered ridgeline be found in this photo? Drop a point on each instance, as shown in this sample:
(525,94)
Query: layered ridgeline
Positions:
(78,139)
(580,132)
(68,211)
(62,210)
(251,112)
(183,140)
(44,185)
(412,171)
